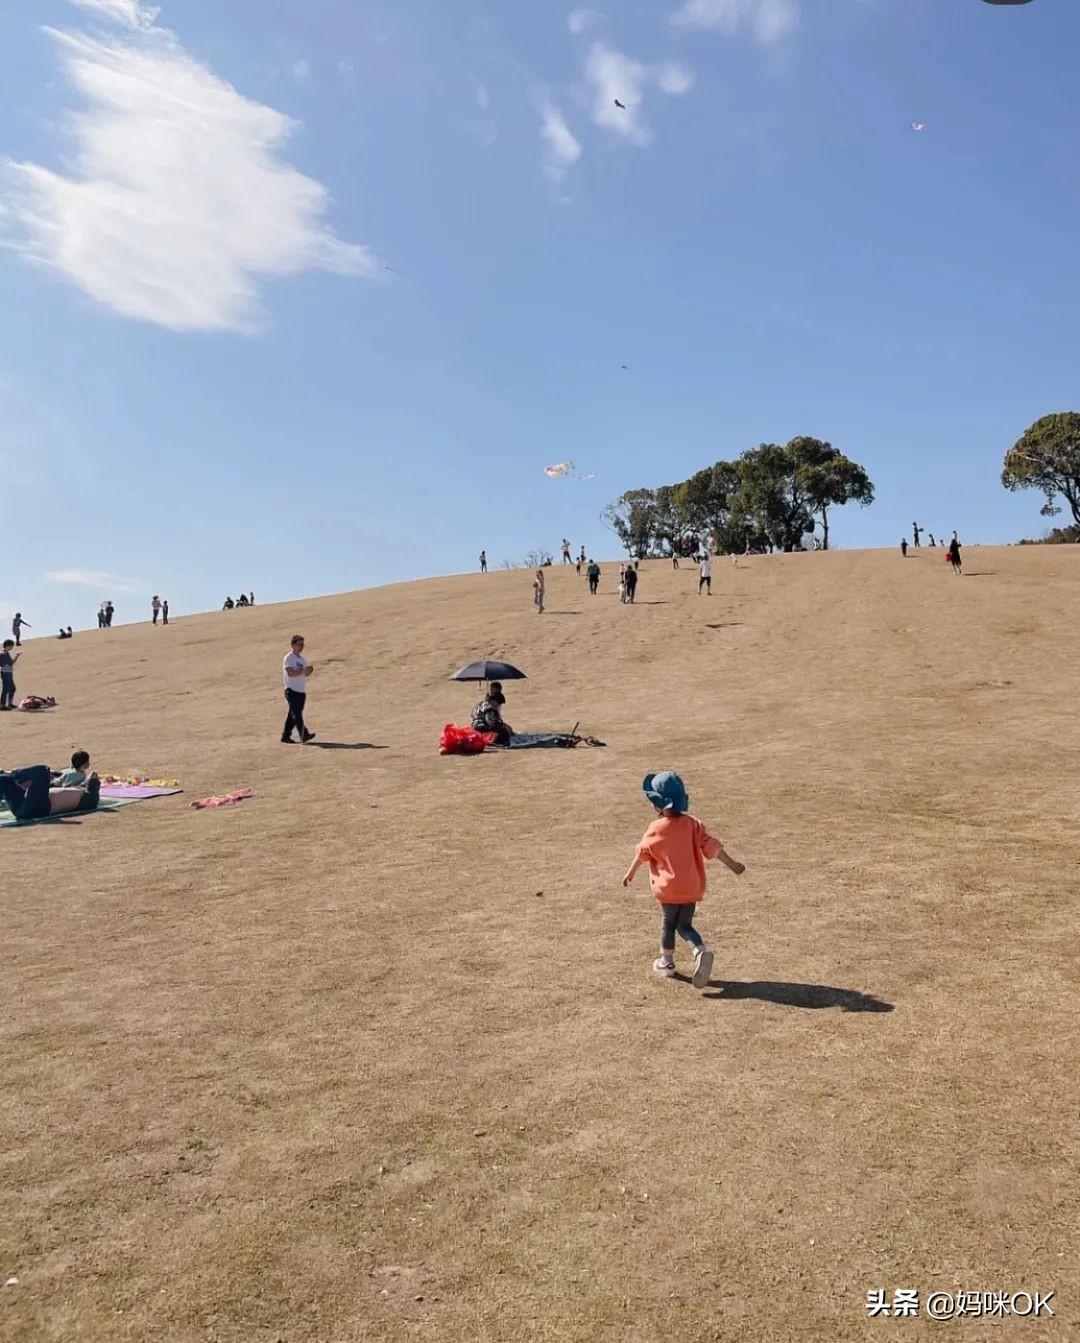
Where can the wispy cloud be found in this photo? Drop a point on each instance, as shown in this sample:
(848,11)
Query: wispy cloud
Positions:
(615,78)
(768,20)
(483,97)
(561,147)
(579,20)
(301,71)
(96,578)
(131,12)
(178,202)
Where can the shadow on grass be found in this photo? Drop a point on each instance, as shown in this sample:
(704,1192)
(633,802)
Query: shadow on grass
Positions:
(562,613)
(347,746)
(726,625)
(811,996)
(980,573)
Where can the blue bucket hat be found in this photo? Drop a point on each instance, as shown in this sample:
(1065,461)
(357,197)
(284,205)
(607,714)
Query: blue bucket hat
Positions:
(666,790)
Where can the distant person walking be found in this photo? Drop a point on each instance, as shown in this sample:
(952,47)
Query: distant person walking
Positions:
(538,592)
(933,543)
(110,611)
(101,616)
(705,575)
(954,555)
(296,669)
(593,575)
(631,584)
(566,552)
(622,582)
(155,607)
(903,547)
(165,612)
(483,561)
(674,559)
(915,533)
(7,674)
(17,628)
(251,599)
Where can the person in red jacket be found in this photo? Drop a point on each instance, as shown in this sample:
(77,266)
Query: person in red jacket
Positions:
(675,848)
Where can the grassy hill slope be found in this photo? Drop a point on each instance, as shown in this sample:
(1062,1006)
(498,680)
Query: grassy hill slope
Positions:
(378,1053)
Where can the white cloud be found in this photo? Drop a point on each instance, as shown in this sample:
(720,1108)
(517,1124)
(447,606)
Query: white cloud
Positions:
(768,20)
(96,578)
(483,97)
(301,71)
(131,12)
(561,147)
(578,20)
(615,77)
(177,203)
(674,79)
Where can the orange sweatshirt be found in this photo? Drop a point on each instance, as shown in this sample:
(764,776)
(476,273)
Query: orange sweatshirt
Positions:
(675,848)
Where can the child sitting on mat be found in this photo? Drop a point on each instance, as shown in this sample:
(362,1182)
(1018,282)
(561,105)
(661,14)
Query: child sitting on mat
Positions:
(675,847)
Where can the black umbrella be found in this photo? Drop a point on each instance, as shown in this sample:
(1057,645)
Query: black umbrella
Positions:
(489,671)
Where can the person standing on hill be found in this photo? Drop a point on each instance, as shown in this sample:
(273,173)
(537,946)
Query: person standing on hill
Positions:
(296,669)
(110,611)
(903,547)
(954,554)
(630,583)
(566,552)
(165,611)
(155,608)
(17,627)
(705,575)
(538,592)
(483,561)
(593,575)
(7,675)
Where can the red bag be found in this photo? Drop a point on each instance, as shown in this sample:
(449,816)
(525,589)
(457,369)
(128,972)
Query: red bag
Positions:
(463,740)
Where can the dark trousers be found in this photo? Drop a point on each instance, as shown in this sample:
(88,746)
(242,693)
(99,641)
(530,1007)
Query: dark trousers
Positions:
(631,588)
(91,797)
(296,700)
(156,614)
(678,919)
(594,583)
(28,803)
(704,583)
(7,692)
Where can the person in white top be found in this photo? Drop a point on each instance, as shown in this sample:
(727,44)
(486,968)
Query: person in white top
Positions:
(296,669)
(705,574)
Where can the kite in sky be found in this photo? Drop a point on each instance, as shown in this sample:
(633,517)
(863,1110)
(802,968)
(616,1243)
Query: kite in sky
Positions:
(561,469)
(620,105)
(918,126)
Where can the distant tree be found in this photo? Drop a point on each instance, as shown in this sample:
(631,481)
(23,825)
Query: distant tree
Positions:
(825,478)
(703,503)
(632,517)
(771,497)
(1047,458)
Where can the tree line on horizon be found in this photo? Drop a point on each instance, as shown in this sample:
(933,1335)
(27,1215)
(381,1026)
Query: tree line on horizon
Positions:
(772,497)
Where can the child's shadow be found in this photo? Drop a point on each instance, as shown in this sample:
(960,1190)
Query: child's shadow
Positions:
(798,995)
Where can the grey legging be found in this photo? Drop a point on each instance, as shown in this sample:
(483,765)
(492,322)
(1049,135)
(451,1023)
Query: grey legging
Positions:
(679,919)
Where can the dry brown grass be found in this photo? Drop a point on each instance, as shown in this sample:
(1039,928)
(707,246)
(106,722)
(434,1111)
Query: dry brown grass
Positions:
(378,1055)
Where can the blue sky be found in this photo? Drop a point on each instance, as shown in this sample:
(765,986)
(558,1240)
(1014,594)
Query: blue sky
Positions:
(210,381)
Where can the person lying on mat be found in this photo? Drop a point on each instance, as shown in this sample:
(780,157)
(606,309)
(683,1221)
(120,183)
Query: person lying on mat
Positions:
(29,796)
(487,716)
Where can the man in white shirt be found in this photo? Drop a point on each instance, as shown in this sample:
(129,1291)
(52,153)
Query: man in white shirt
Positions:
(705,574)
(295,670)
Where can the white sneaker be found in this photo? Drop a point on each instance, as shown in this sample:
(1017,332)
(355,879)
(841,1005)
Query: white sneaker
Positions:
(703,967)
(664,967)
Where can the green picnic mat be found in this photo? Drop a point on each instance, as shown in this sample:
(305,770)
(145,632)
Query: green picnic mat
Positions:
(111,804)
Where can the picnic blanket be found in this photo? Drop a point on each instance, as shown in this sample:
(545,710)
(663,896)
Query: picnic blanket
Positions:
(113,804)
(136,792)
(523,741)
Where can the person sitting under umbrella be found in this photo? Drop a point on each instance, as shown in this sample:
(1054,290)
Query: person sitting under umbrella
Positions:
(487,716)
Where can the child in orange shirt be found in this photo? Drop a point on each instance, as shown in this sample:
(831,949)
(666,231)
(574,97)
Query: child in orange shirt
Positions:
(675,847)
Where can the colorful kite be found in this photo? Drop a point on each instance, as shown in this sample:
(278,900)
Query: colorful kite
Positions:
(918,126)
(561,469)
